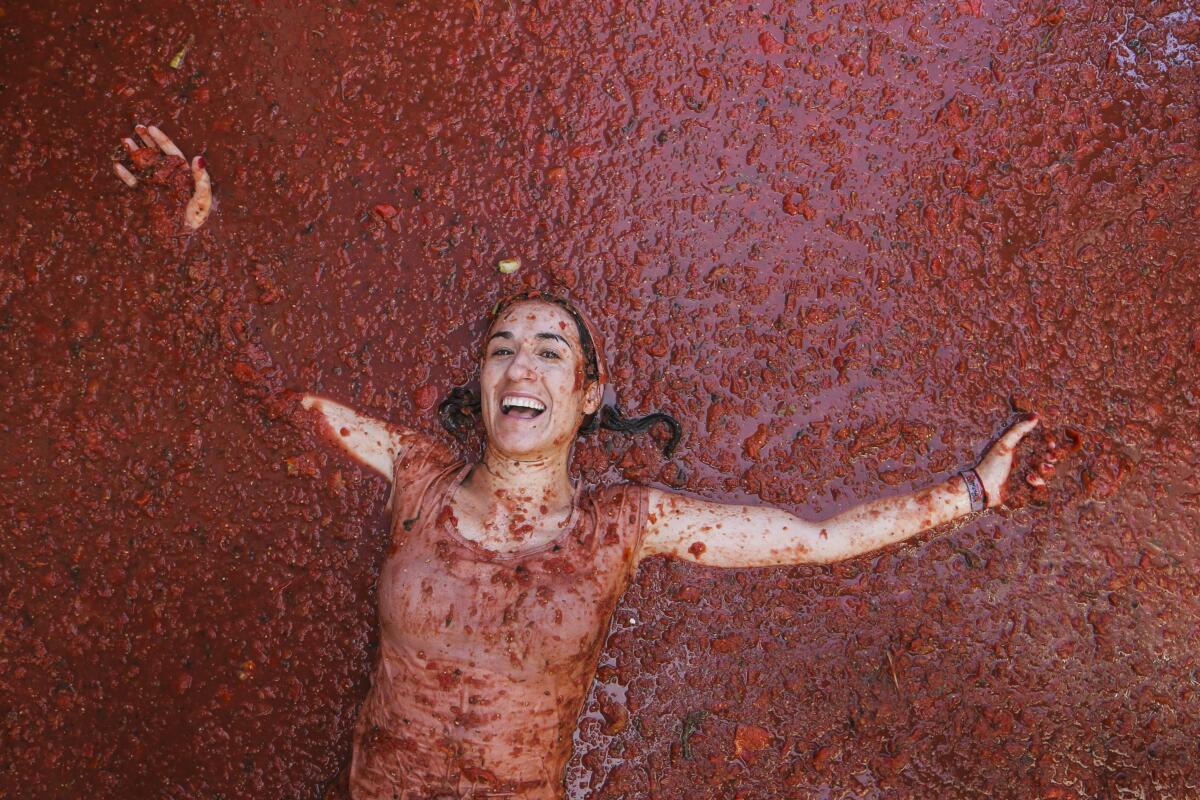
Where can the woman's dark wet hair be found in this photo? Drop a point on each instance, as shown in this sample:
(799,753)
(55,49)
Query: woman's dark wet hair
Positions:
(461,408)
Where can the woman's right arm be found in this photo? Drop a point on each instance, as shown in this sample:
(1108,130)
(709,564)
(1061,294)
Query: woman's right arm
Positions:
(373,443)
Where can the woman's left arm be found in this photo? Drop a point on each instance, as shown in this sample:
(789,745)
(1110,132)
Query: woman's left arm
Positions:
(720,535)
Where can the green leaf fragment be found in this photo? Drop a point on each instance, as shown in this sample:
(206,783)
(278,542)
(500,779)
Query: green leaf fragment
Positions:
(177,61)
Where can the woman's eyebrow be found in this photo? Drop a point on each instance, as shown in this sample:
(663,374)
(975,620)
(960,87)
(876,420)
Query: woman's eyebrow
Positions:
(545,335)
(554,336)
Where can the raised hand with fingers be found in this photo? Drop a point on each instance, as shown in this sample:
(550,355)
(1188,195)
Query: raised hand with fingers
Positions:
(998,460)
(159,161)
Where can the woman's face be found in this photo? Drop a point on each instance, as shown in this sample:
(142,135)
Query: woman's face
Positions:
(532,387)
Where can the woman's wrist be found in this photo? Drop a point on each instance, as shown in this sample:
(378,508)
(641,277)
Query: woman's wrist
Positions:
(977,495)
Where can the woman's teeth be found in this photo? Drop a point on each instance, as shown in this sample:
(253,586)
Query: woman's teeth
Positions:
(523,407)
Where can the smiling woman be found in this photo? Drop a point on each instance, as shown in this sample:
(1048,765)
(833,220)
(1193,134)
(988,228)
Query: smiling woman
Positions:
(461,409)
(502,575)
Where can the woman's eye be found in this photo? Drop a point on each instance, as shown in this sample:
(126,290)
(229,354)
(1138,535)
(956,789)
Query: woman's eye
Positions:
(550,354)
(501,351)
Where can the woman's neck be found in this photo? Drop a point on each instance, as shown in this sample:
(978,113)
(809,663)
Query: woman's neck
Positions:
(541,486)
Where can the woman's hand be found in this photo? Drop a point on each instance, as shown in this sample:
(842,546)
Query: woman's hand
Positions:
(998,460)
(158,159)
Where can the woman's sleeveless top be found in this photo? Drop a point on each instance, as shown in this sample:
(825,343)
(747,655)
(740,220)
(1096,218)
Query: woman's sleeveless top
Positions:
(485,658)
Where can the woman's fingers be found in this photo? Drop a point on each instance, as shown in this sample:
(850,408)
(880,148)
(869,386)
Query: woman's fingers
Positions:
(145,136)
(164,142)
(156,141)
(201,203)
(124,175)
(1017,432)
(998,460)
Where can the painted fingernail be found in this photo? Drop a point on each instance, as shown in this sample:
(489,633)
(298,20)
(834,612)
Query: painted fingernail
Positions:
(200,162)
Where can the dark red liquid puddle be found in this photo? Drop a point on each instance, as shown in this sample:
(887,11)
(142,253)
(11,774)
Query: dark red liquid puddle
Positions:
(835,241)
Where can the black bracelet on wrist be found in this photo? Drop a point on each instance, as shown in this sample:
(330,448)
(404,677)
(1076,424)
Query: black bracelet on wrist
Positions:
(975,489)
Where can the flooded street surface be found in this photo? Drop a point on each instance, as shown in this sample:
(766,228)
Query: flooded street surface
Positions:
(839,242)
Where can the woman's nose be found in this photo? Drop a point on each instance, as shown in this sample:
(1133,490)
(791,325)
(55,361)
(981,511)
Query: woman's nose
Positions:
(521,366)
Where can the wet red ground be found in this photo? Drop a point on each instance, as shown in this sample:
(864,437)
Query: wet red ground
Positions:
(835,240)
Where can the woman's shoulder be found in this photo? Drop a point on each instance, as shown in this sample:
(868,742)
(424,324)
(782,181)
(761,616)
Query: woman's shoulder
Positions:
(616,489)
(612,498)
(423,451)
(619,512)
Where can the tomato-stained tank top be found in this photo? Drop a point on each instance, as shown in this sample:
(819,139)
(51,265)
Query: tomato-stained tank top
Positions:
(485,658)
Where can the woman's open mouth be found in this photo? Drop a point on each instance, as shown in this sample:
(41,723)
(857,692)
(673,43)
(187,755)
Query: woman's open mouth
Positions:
(522,407)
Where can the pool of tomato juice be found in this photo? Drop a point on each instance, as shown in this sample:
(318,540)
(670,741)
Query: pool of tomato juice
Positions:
(840,242)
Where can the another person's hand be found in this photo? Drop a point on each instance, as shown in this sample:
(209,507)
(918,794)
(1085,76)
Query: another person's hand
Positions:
(998,460)
(148,158)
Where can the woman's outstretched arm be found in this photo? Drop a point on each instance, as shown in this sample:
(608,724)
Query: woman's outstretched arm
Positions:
(373,443)
(721,535)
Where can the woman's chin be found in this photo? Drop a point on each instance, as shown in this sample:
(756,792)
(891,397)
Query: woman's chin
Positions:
(520,443)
